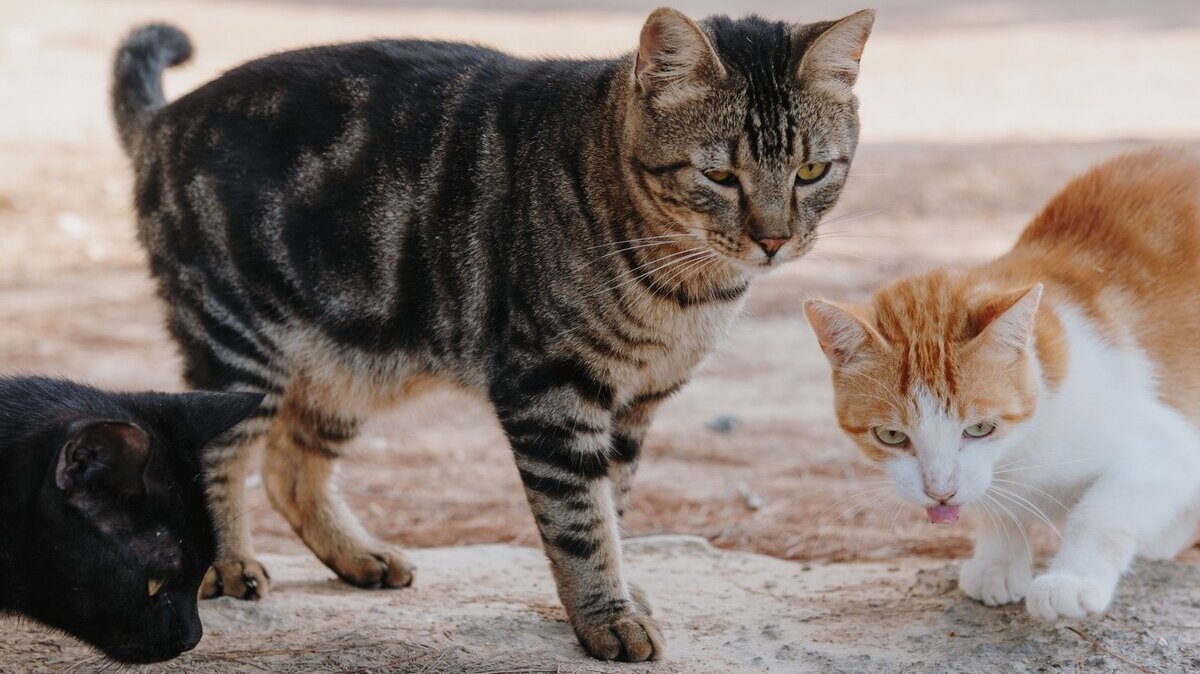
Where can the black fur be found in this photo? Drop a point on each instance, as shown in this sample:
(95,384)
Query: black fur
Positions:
(86,521)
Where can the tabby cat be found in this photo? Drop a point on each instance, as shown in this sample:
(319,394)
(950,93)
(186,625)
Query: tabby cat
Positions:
(337,226)
(1059,384)
(104,532)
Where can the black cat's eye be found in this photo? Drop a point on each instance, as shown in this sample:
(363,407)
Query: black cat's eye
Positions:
(723,178)
(811,173)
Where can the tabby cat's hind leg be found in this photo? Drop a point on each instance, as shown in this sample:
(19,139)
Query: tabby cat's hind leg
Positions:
(298,470)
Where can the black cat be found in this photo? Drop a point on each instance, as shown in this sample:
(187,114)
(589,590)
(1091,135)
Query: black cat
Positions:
(104,531)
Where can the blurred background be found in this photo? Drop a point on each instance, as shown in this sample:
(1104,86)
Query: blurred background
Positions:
(973,114)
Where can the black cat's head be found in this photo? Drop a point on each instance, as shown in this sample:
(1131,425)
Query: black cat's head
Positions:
(111,535)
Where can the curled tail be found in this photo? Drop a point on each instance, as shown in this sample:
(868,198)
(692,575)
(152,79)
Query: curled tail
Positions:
(137,76)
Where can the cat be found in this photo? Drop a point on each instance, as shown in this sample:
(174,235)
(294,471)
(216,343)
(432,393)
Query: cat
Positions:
(104,531)
(336,227)
(1058,385)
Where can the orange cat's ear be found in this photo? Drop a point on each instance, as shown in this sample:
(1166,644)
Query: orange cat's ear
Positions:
(1008,321)
(843,335)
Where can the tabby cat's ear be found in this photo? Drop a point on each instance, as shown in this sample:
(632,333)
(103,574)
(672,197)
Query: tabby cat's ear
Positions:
(674,59)
(1008,321)
(843,335)
(832,58)
(103,453)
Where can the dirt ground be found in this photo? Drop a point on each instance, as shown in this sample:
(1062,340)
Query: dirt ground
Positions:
(491,609)
(974,114)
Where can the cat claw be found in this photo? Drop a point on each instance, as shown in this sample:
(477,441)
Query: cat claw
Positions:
(247,580)
(995,582)
(1058,595)
(388,568)
(629,636)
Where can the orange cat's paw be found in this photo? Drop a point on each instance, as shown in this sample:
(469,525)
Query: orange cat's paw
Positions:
(1058,595)
(995,582)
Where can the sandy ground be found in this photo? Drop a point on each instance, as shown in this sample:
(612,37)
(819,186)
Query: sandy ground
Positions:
(974,113)
(492,609)
(489,609)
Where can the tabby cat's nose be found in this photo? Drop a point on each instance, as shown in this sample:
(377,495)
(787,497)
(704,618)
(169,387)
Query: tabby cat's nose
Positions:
(771,245)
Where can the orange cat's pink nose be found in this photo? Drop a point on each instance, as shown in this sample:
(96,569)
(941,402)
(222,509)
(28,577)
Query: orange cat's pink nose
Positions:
(941,496)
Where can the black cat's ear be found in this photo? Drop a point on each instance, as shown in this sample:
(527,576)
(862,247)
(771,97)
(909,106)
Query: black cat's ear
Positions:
(103,452)
(674,60)
(204,415)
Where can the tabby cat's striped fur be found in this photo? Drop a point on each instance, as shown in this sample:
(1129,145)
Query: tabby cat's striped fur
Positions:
(335,226)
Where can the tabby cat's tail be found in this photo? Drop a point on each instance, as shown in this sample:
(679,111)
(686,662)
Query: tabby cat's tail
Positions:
(137,76)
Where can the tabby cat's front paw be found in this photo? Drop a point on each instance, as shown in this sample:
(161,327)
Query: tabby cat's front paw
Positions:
(629,636)
(1057,595)
(995,582)
(240,578)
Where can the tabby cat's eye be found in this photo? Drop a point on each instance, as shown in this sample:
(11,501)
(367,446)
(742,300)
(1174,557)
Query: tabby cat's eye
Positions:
(154,586)
(890,437)
(725,178)
(980,430)
(811,173)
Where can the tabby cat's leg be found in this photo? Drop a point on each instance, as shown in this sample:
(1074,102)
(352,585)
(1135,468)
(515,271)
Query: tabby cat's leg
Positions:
(298,470)
(629,432)
(235,573)
(560,441)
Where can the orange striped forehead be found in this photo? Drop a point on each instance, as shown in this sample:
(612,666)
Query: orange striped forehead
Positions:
(927,349)
(926,320)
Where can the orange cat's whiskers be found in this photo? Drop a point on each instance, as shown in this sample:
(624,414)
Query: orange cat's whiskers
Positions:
(1008,513)
(1037,490)
(1026,505)
(1039,466)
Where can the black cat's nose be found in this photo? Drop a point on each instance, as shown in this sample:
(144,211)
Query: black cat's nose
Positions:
(771,245)
(188,635)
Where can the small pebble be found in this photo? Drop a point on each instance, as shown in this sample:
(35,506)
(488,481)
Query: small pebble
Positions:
(724,423)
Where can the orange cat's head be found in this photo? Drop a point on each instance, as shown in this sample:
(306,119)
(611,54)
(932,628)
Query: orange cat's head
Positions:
(934,379)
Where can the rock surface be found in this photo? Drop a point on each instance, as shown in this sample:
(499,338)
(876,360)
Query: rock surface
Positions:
(492,609)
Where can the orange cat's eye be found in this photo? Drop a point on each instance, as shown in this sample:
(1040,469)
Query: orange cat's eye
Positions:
(725,178)
(889,437)
(980,430)
(811,173)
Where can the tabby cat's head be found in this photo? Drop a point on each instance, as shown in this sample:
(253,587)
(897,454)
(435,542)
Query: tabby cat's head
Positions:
(935,379)
(106,533)
(741,133)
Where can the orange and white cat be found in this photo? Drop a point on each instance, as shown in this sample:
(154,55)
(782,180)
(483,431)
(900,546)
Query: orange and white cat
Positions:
(1059,383)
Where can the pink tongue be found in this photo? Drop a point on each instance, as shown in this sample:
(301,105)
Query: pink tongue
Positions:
(943,514)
